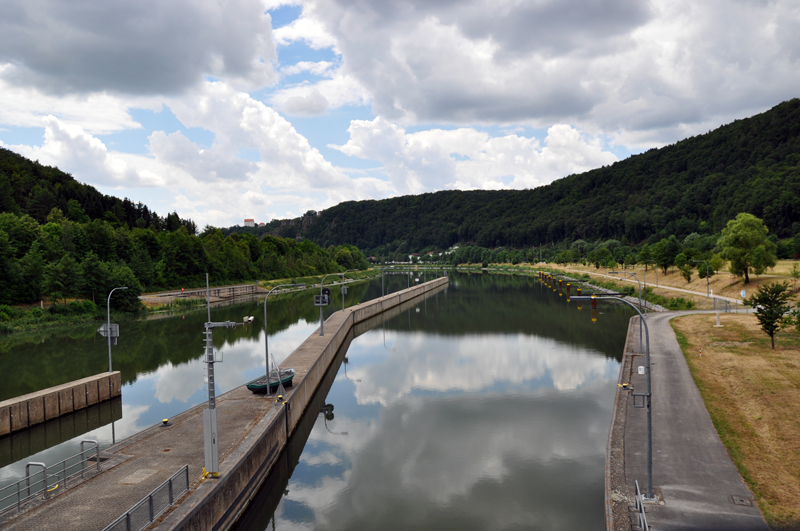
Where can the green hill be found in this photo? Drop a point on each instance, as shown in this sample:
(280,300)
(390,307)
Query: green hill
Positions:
(695,185)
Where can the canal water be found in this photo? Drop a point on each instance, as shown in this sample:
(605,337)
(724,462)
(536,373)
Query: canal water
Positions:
(486,406)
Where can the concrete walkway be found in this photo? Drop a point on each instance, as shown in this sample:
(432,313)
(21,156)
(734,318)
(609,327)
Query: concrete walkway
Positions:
(697,483)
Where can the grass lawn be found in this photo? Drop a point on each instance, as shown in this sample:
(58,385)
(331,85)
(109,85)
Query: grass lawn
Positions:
(753,396)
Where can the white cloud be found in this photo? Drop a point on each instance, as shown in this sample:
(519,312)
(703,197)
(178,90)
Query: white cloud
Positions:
(318,68)
(650,72)
(465,158)
(73,150)
(308,99)
(305,29)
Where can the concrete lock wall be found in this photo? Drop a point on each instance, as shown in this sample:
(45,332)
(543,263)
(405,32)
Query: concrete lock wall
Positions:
(28,410)
(217,504)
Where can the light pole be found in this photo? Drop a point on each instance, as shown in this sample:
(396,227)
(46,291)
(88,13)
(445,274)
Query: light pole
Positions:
(708,270)
(645,289)
(108,314)
(343,288)
(321,319)
(266,331)
(655,268)
(640,304)
(647,396)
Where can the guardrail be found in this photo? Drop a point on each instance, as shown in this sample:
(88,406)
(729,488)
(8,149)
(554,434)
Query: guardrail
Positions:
(640,509)
(151,506)
(30,487)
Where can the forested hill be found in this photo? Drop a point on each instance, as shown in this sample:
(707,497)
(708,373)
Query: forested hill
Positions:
(695,185)
(27,187)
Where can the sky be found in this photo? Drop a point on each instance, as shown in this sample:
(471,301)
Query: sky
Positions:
(222,110)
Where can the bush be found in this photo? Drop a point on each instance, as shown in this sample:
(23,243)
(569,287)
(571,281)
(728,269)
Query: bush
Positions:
(82,307)
(36,313)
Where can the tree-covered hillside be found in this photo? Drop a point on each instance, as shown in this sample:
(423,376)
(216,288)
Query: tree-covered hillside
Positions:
(693,186)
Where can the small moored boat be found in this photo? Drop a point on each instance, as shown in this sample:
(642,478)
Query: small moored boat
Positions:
(259,385)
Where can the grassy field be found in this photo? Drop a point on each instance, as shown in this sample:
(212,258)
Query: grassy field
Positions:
(753,396)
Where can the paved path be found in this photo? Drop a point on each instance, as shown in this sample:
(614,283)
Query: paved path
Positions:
(671,288)
(692,472)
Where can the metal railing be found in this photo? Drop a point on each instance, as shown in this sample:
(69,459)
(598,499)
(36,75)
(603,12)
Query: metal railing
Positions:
(640,509)
(151,506)
(48,478)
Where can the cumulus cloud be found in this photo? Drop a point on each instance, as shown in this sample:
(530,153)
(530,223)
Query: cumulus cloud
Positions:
(466,158)
(649,72)
(72,149)
(213,184)
(135,46)
(307,99)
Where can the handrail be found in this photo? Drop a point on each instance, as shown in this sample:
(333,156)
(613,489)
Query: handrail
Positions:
(640,509)
(135,520)
(25,489)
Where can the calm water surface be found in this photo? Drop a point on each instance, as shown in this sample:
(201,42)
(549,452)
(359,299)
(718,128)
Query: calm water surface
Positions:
(485,407)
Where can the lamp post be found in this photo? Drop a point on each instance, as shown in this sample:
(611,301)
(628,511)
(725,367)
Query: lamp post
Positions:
(266,331)
(108,314)
(708,270)
(655,268)
(343,288)
(647,396)
(640,304)
(645,288)
(321,320)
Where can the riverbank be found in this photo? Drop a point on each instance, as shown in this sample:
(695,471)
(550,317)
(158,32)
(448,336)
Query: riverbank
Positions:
(752,394)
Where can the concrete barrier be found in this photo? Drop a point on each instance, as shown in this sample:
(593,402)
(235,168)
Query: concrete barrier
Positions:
(29,410)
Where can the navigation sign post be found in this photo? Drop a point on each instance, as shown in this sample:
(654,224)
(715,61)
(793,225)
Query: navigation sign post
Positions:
(322,300)
(114,327)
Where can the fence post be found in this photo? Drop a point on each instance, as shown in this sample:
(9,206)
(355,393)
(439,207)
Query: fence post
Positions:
(150,506)
(170,491)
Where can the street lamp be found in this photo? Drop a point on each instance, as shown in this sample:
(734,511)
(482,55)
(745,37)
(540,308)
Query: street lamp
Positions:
(647,397)
(640,303)
(655,268)
(645,288)
(108,314)
(266,332)
(343,288)
(708,270)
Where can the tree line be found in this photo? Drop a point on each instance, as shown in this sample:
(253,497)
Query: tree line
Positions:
(65,259)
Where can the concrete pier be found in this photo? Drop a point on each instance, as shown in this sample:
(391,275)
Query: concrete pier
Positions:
(253,431)
(29,410)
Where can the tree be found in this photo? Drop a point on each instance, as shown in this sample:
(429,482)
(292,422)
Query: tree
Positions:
(771,307)
(795,274)
(744,242)
(686,272)
(94,276)
(666,251)
(62,278)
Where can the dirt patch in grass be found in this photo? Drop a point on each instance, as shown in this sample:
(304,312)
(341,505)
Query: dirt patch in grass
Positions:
(753,395)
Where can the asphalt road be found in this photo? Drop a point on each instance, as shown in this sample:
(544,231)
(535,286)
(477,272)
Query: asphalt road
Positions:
(699,486)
